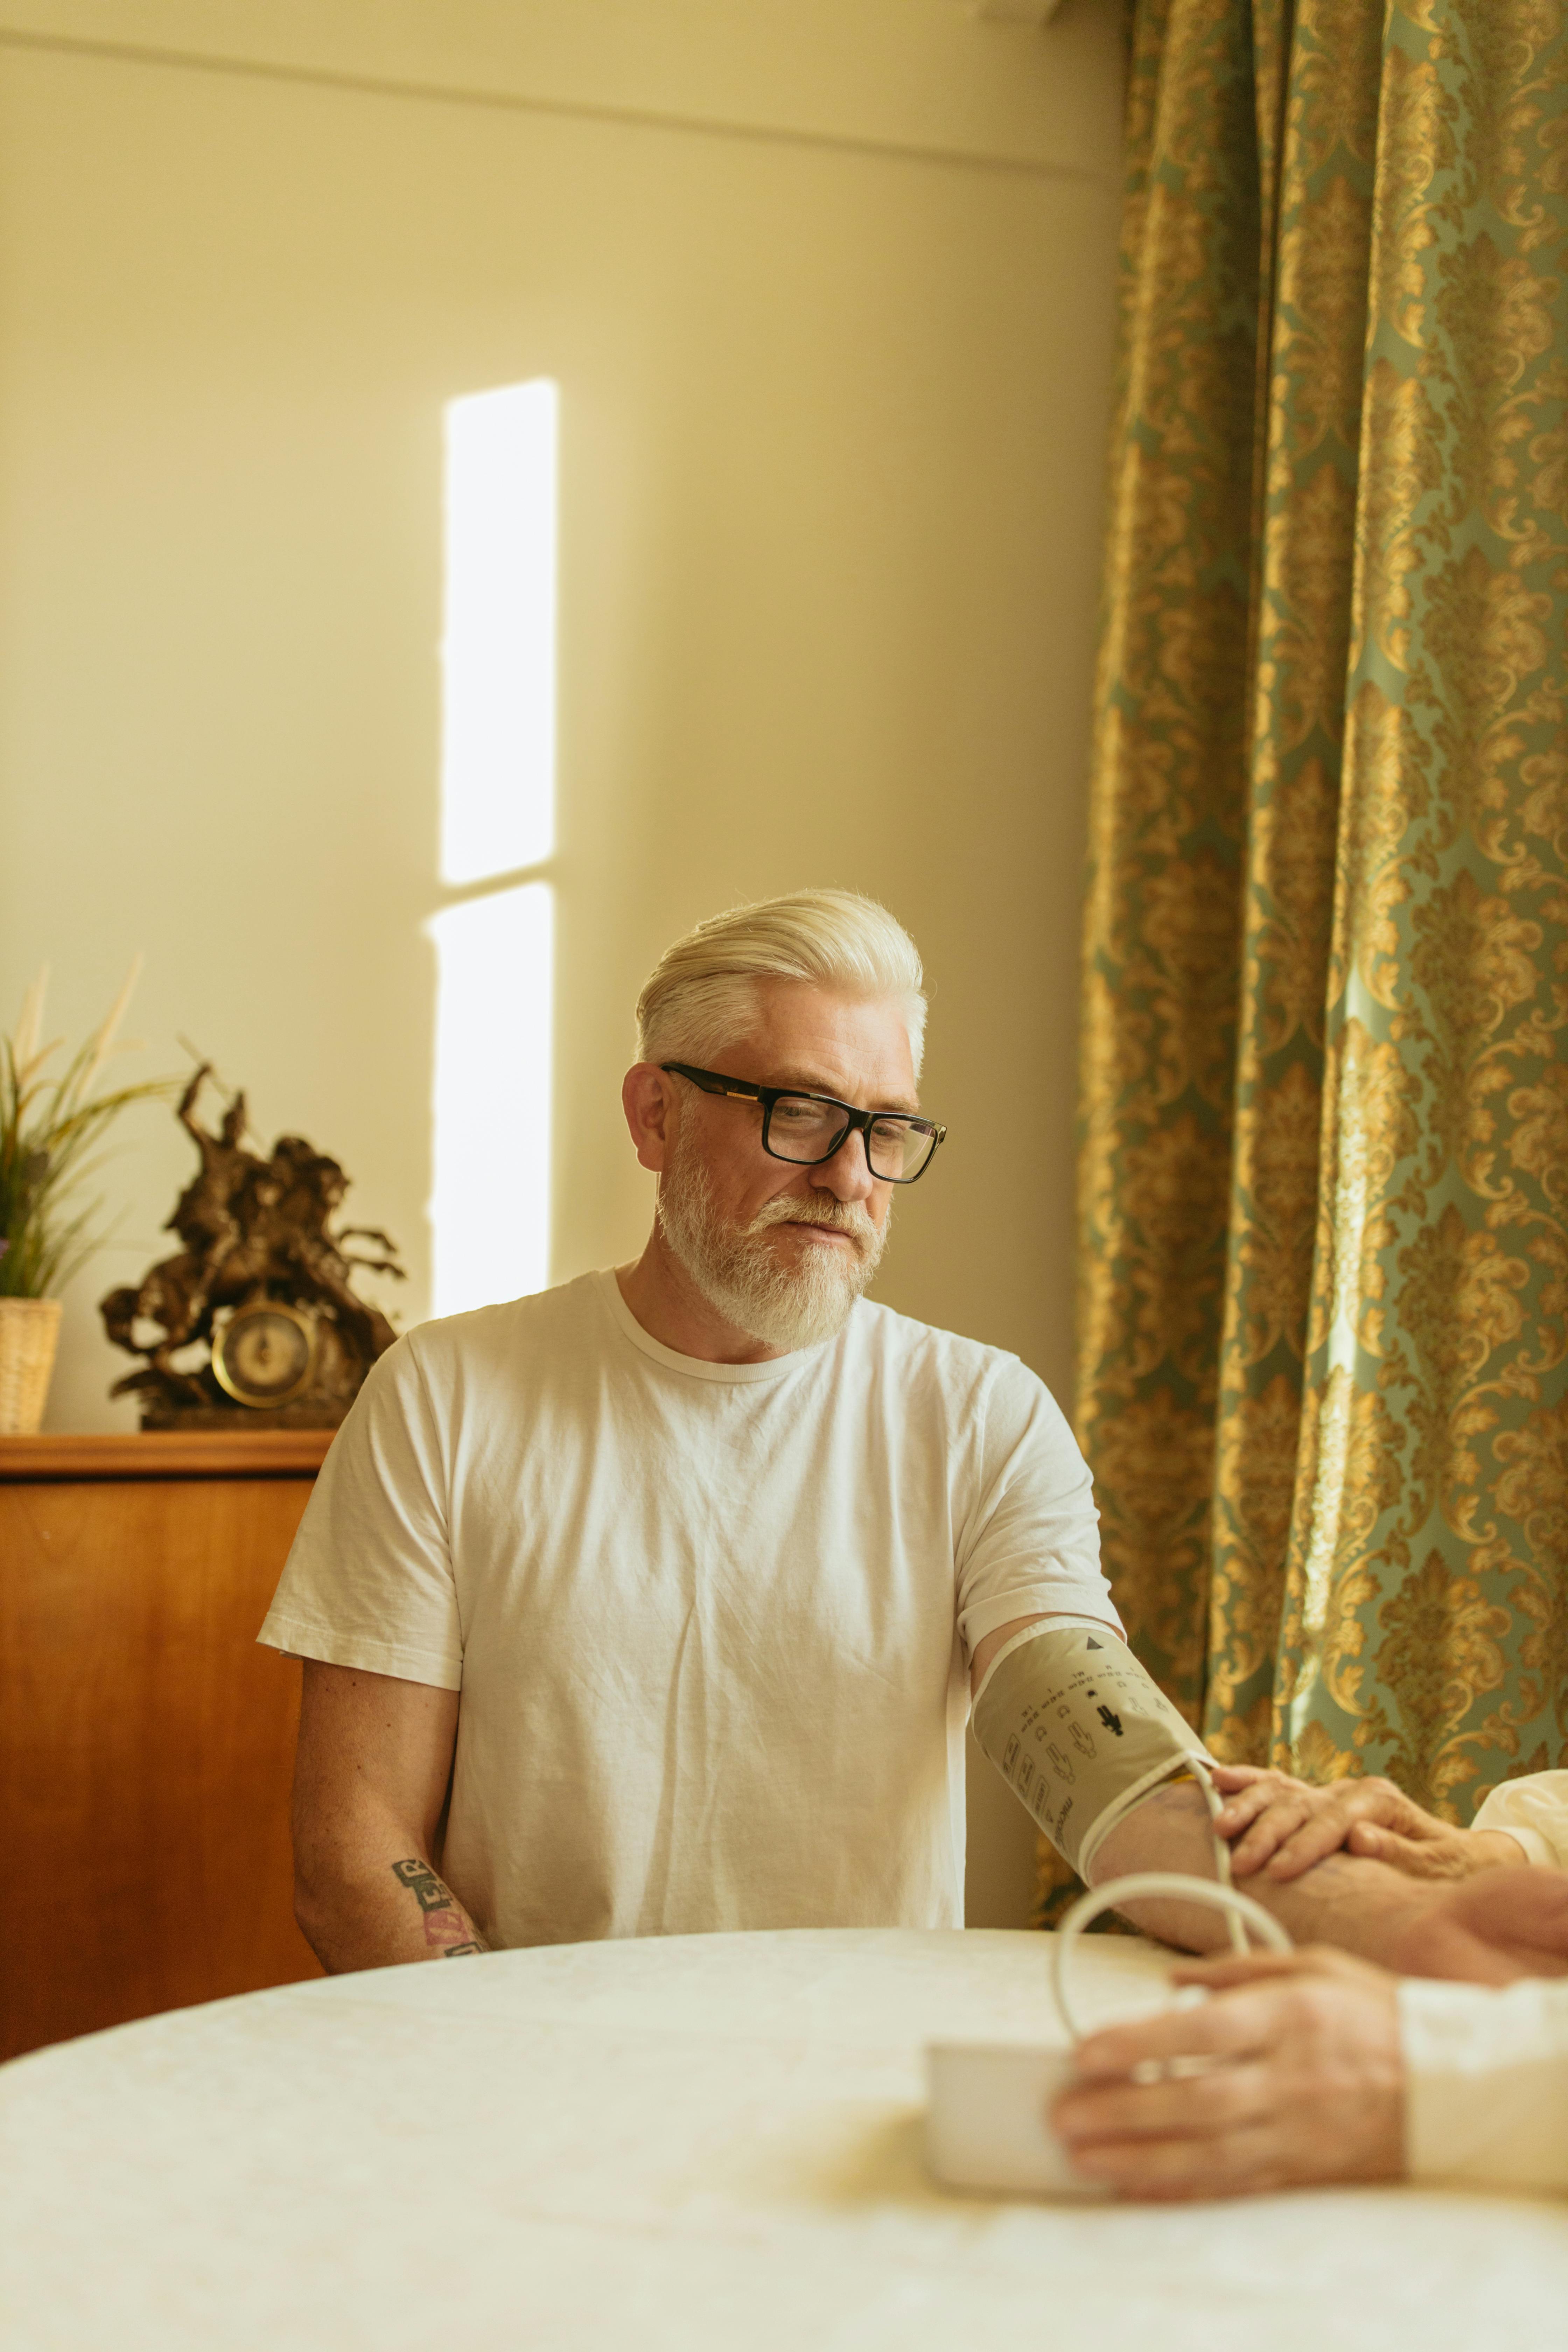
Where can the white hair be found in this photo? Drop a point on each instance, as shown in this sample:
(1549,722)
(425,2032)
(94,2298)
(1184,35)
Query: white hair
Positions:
(703,990)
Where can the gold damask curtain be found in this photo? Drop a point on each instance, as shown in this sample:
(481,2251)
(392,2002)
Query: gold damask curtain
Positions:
(1324,1205)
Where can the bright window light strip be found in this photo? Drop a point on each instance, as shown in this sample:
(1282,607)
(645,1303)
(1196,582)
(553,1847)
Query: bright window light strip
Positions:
(498,743)
(489,1209)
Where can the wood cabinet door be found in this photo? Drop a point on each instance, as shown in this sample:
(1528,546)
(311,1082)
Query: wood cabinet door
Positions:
(146,1748)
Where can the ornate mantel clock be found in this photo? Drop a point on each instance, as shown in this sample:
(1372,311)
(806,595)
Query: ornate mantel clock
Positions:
(255,1322)
(264,1353)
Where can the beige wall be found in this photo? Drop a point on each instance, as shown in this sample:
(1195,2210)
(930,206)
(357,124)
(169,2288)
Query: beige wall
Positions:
(832,354)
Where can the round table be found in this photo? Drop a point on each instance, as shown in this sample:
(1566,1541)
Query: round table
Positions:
(709,2140)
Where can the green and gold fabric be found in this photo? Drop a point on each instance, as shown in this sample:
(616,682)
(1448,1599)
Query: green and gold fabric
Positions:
(1324,1177)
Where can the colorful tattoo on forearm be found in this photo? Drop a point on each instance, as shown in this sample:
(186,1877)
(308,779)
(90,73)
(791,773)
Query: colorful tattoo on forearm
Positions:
(446,1931)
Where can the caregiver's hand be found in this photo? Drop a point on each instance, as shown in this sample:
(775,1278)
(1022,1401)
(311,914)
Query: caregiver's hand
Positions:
(1304,2082)
(1281,1827)
(1491,1930)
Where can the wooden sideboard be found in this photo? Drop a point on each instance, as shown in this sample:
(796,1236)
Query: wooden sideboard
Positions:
(146,1743)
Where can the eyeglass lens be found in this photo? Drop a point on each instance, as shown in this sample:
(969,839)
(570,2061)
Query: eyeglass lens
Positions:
(806,1131)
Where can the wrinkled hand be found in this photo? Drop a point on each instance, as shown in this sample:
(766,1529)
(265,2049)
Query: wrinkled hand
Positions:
(1291,2073)
(1491,1930)
(1281,1827)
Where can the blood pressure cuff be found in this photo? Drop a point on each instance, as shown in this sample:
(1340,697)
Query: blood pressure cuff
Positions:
(1077,1730)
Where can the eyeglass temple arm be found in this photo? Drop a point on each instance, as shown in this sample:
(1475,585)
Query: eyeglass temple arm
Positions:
(710,1085)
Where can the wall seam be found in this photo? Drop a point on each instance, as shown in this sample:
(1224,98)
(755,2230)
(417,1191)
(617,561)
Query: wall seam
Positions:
(577,110)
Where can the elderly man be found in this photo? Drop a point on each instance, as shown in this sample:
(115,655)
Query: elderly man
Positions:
(655,1603)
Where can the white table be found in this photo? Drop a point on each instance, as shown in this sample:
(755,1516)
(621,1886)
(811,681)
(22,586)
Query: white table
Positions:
(705,2141)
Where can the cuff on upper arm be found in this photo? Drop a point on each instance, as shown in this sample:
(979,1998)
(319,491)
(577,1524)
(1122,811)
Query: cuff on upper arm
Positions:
(984,1617)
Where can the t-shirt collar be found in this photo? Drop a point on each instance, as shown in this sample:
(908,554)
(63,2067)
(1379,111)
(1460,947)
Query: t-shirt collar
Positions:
(696,1368)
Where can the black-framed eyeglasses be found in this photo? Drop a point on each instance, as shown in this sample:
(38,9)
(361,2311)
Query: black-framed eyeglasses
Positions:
(809,1128)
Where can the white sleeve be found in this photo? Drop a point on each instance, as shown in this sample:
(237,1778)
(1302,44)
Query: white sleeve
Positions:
(1029,1545)
(1486,2100)
(1534,1810)
(369,1580)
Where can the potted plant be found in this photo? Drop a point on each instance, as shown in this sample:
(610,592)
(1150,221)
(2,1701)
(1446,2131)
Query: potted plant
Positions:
(49,1128)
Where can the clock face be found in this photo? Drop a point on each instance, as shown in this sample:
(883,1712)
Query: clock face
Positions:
(265,1354)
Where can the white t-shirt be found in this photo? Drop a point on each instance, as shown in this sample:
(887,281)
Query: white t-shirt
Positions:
(708,1620)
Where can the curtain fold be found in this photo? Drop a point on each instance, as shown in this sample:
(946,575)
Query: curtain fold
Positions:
(1324,1173)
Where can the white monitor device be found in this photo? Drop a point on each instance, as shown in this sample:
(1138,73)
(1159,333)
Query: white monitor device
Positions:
(988,2104)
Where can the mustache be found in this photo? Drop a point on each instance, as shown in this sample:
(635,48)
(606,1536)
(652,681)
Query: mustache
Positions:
(839,1216)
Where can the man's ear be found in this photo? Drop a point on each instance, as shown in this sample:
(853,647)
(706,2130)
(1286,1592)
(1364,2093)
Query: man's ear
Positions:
(648,1099)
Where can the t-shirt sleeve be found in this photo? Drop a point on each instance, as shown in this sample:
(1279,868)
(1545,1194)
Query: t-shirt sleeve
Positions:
(1030,1543)
(369,1579)
(1486,2096)
(1534,1810)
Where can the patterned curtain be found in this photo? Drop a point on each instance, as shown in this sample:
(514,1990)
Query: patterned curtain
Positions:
(1323,1182)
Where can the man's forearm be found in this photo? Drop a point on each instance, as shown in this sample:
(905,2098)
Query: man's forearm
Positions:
(1360,1906)
(379,1916)
(374,1764)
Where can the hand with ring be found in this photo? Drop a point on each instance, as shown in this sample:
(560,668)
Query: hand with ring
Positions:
(1291,2074)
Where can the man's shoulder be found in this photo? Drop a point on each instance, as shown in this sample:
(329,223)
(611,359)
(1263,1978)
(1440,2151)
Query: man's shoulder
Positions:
(927,1352)
(544,1323)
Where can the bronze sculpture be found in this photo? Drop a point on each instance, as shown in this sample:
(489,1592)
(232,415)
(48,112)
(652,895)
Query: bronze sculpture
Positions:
(260,1283)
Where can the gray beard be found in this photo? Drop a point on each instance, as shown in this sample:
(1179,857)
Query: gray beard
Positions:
(742,1279)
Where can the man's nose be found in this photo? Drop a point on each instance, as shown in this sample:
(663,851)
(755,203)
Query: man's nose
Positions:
(848,1175)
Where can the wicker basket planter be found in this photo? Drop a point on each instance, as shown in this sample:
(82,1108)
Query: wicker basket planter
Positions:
(29,1334)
